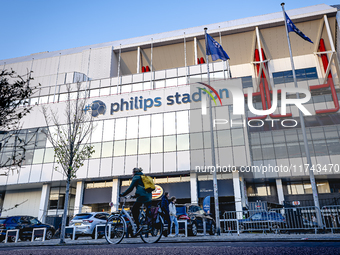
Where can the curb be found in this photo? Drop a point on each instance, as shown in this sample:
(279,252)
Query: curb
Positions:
(281,240)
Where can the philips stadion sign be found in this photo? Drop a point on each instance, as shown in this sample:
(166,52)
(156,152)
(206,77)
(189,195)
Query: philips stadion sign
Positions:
(198,94)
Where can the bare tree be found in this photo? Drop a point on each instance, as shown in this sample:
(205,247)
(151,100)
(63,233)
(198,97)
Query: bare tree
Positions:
(15,92)
(69,137)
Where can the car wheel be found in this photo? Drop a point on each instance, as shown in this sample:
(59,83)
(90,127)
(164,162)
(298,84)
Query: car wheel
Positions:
(11,239)
(193,231)
(24,239)
(94,234)
(49,234)
(212,229)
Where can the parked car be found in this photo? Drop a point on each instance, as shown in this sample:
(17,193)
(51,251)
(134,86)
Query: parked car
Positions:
(25,224)
(195,217)
(86,223)
(263,220)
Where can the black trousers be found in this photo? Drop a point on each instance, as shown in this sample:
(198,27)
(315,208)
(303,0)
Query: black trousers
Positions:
(135,211)
(166,217)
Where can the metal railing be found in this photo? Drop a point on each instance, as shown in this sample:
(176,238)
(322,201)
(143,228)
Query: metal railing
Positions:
(277,220)
(331,217)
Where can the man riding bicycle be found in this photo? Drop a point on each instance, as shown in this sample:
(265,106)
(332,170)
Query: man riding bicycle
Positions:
(143,197)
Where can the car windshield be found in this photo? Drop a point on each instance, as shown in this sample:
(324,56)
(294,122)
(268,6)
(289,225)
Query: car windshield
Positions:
(82,216)
(256,216)
(34,221)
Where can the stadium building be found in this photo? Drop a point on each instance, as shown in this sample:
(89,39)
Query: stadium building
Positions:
(151,122)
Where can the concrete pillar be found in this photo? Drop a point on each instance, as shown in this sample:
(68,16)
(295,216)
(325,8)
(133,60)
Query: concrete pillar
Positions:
(193,188)
(195,50)
(115,194)
(44,199)
(138,59)
(244,196)
(78,203)
(237,194)
(280,194)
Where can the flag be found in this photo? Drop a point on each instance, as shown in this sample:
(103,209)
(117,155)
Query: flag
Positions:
(214,49)
(292,28)
(206,204)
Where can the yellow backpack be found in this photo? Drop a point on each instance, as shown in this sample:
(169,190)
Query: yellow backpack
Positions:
(149,185)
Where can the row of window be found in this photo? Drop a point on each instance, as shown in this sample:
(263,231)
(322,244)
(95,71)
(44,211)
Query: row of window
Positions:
(55,96)
(304,74)
(301,75)
(314,100)
(160,144)
(289,143)
(291,188)
(310,121)
(295,135)
(300,188)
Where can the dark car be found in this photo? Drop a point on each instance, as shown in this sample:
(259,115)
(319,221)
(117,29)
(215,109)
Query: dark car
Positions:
(263,220)
(195,217)
(25,224)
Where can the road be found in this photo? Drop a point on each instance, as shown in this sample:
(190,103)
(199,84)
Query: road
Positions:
(184,248)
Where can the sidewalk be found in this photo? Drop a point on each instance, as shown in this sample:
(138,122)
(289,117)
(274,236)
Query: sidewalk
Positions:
(245,237)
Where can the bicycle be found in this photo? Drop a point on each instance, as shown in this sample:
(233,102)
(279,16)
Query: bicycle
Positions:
(116,227)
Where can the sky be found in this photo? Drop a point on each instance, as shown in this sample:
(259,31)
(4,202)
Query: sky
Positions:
(38,25)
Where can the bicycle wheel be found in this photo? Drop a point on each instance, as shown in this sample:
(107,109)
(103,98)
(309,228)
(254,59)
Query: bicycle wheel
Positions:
(115,229)
(153,232)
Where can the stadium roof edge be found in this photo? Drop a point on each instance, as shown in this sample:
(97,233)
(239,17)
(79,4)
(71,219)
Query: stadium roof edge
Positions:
(226,27)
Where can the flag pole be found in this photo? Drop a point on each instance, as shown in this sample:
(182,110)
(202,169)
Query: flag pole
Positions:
(217,210)
(303,128)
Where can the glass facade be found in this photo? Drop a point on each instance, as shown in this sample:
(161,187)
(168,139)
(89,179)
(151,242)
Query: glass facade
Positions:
(280,144)
(301,75)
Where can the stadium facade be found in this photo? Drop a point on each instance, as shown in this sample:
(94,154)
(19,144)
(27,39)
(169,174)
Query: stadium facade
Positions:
(149,122)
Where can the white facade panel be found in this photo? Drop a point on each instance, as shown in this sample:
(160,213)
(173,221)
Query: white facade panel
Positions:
(118,166)
(183,161)
(24,174)
(14,175)
(144,162)
(156,163)
(3,177)
(240,157)
(226,157)
(170,162)
(197,159)
(285,167)
(93,169)
(29,201)
(35,173)
(105,167)
(130,163)
(46,172)
(82,171)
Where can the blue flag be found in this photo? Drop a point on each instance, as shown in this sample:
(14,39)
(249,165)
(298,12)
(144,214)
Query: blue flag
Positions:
(215,49)
(292,28)
(206,204)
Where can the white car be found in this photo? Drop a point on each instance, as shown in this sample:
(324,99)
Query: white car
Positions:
(85,223)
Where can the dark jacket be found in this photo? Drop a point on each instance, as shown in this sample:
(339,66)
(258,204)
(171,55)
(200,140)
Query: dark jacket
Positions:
(142,195)
(165,204)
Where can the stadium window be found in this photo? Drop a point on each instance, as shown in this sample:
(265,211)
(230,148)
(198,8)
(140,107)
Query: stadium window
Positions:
(247,82)
(301,75)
